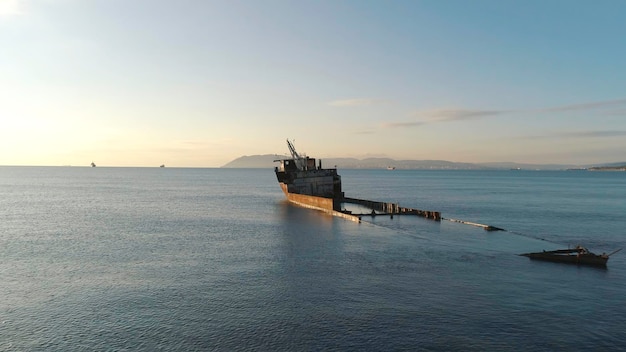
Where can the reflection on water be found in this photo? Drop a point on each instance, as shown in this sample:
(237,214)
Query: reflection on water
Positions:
(213,259)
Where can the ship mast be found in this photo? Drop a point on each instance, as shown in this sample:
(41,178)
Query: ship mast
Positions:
(300,162)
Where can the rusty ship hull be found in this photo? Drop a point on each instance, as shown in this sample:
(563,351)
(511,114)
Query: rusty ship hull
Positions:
(307,184)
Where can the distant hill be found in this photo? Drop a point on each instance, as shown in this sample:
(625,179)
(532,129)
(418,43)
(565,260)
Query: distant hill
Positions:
(610,167)
(382,163)
(254,161)
(614,165)
(267,161)
(520,166)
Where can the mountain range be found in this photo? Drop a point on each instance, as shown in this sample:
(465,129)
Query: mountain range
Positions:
(267,161)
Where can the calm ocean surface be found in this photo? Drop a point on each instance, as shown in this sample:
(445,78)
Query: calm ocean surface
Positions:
(114,259)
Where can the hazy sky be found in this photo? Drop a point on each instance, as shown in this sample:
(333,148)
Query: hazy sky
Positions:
(199,83)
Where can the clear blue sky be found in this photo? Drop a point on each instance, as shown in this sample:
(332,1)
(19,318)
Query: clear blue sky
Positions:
(199,83)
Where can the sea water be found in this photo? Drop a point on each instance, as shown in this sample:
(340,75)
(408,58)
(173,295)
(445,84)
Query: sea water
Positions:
(114,259)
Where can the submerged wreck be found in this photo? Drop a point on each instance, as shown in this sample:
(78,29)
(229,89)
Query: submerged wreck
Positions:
(578,255)
(306,183)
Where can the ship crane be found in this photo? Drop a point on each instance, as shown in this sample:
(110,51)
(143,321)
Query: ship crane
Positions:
(300,161)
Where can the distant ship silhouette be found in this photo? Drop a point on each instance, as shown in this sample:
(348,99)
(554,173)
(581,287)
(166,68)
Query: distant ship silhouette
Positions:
(93,164)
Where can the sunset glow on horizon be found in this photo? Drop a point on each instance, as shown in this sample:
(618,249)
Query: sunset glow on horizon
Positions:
(200,83)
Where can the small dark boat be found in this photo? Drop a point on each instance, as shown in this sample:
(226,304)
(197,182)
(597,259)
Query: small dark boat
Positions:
(578,255)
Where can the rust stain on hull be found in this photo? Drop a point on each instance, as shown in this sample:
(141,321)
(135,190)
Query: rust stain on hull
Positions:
(313,201)
(318,203)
